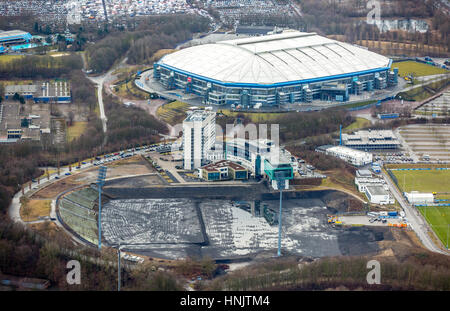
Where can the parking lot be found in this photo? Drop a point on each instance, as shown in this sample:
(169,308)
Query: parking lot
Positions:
(393,157)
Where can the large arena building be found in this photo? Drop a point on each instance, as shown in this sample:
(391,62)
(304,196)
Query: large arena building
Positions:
(275,69)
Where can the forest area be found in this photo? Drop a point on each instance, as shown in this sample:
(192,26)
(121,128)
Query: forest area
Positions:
(347,20)
(151,34)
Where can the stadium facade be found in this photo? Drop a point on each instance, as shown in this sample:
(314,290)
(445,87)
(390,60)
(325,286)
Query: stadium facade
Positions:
(275,69)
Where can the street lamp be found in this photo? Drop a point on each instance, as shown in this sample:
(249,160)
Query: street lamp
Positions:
(100,182)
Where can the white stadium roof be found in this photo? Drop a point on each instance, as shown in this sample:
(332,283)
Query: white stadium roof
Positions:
(289,56)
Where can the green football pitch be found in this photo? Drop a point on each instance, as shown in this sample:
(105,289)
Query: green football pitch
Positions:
(430,181)
(423,181)
(439,219)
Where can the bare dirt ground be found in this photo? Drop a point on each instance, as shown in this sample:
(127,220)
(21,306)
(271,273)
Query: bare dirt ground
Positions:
(135,165)
(131,166)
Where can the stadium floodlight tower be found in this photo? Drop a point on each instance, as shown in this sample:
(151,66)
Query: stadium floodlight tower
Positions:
(279,175)
(119,248)
(100,182)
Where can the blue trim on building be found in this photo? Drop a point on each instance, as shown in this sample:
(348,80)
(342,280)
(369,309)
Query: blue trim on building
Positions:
(26,37)
(281,84)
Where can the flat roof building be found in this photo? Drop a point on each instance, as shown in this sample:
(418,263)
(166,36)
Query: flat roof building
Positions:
(223,170)
(378,195)
(371,140)
(416,197)
(14,37)
(252,154)
(43,92)
(352,156)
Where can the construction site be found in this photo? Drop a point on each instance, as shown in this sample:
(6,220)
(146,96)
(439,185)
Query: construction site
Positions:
(229,222)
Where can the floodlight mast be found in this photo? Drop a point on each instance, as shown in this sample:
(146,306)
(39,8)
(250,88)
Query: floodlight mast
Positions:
(280,179)
(100,182)
(280,184)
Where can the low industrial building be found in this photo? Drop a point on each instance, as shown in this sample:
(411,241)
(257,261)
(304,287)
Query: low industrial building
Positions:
(371,140)
(416,197)
(14,37)
(15,127)
(45,92)
(352,156)
(223,170)
(379,195)
(363,182)
(252,154)
(363,173)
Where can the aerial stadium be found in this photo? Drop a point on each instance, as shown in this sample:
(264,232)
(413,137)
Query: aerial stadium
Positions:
(278,69)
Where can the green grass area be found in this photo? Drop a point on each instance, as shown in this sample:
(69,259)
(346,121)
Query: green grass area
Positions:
(439,219)
(417,69)
(173,112)
(424,91)
(359,123)
(359,104)
(76,130)
(256,117)
(423,181)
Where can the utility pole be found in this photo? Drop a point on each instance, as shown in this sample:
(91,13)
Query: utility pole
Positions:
(281,183)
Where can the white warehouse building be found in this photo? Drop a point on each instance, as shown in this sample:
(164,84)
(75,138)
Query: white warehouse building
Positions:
(379,195)
(416,197)
(199,135)
(352,156)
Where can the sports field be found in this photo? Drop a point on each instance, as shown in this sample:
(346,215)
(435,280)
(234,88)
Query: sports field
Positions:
(423,181)
(417,69)
(439,219)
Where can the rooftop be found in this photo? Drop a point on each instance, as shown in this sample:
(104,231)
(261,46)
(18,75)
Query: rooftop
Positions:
(290,56)
(377,190)
(198,115)
(213,167)
(371,137)
(14,33)
(346,150)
